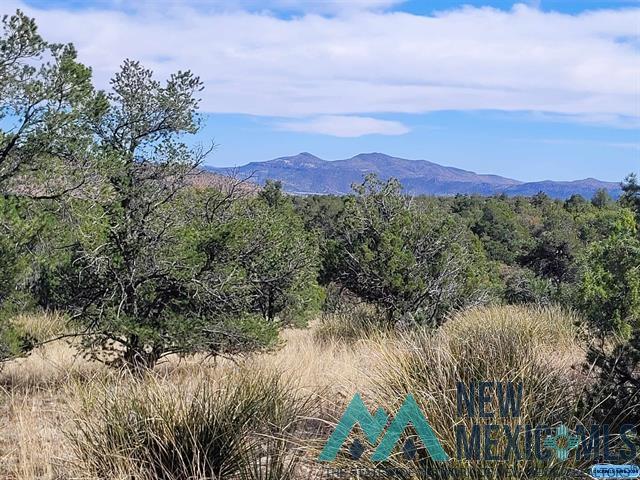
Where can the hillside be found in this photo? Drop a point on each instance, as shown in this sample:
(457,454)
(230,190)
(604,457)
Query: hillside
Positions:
(308,174)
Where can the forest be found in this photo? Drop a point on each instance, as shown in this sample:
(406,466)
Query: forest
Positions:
(113,249)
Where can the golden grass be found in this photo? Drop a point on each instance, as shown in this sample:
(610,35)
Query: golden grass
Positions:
(349,324)
(41,395)
(546,326)
(537,347)
(41,327)
(188,429)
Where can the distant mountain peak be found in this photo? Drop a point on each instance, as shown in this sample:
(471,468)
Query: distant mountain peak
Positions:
(300,160)
(307,155)
(306,173)
(374,155)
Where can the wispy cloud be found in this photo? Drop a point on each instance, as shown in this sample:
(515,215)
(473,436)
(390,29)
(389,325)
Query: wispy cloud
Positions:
(345,126)
(357,64)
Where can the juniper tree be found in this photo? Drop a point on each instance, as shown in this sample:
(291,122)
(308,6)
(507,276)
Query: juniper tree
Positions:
(408,261)
(609,282)
(129,283)
(46,99)
(631,194)
(259,259)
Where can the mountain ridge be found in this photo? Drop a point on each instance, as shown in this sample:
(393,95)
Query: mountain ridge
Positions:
(306,173)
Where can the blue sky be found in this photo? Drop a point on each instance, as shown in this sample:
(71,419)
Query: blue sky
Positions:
(545,89)
(513,145)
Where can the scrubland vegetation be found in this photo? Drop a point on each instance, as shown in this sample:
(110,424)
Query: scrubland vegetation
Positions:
(152,326)
(269,415)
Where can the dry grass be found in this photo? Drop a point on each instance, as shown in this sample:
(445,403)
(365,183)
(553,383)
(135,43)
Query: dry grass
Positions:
(41,327)
(543,326)
(34,400)
(208,427)
(350,324)
(47,393)
(533,346)
(42,394)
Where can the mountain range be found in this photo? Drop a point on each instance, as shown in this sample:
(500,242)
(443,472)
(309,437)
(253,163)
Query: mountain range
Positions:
(307,174)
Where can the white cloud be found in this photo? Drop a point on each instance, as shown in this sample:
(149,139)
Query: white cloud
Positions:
(368,62)
(345,126)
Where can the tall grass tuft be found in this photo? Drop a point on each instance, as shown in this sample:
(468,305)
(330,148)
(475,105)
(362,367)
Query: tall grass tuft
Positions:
(240,427)
(534,346)
(349,324)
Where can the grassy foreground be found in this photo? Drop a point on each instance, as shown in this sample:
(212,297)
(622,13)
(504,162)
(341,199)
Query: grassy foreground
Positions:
(266,417)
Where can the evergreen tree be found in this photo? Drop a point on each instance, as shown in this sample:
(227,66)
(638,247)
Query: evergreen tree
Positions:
(403,259)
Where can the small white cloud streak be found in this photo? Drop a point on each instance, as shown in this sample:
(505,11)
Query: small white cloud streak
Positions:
(369,62)
(345,126)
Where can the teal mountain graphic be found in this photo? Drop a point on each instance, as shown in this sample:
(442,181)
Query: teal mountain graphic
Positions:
(373,426)
(410,414)
(355,414)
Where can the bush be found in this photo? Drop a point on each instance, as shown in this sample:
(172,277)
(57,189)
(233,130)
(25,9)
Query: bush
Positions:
(348,324)
(631,195)
(615,397)
(534,346)
(502,232)
(609,286)
(241,428)
(410,261)
(522,286)
(264,258)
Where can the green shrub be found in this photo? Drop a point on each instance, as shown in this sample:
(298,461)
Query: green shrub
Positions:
(522,286)
(406,258)
(609,286)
